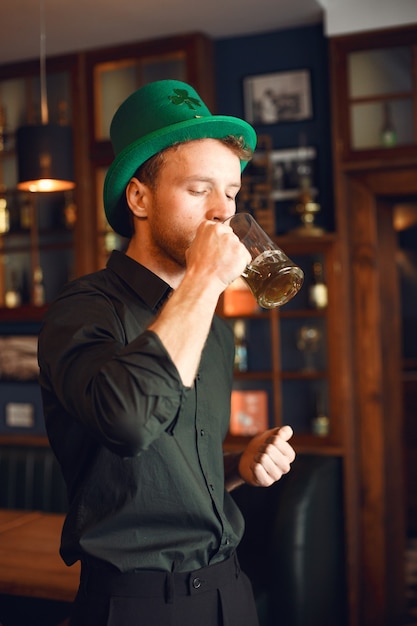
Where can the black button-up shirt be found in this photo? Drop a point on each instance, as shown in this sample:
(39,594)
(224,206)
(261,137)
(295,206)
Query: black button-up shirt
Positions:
(141,454)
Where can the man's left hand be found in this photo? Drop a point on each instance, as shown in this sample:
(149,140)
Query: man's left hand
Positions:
(267,457)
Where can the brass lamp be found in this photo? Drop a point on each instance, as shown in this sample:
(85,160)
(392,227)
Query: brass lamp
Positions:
(307,210)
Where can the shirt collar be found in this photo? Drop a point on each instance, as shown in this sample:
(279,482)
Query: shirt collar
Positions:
(152,290)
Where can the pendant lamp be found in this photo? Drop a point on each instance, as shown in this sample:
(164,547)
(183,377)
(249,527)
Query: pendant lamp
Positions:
(44,151)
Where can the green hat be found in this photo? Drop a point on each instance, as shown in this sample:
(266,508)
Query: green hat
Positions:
(151,119)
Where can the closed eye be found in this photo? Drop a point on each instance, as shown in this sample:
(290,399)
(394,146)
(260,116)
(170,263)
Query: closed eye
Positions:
(197,192)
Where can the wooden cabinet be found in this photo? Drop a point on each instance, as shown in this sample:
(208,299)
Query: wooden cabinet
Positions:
(292,353)
(37,249)
(45,230)
(377,95)
(37,230)
(39,236)
(373,74)
(66,234)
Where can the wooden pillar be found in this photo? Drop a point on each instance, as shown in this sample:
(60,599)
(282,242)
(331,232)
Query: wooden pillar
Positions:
(378,412)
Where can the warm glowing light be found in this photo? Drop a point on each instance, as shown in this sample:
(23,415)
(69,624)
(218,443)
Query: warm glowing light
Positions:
(45,185)
(404,216)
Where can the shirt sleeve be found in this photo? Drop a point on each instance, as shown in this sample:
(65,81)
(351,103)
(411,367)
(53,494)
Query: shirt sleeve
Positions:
(124,391)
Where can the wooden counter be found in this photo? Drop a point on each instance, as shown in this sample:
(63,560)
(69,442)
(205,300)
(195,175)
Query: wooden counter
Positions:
(30,564)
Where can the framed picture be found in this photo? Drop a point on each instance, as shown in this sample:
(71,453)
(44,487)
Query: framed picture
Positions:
(279,97)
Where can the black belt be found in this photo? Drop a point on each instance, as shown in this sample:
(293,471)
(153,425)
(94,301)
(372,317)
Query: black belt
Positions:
(152,583)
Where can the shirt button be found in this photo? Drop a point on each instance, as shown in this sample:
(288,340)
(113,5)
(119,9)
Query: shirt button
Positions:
(202,432)
(196,583)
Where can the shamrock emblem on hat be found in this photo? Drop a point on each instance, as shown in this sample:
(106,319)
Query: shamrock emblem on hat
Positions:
(182,97)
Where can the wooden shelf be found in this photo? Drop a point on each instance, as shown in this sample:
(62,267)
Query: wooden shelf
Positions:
(11,439)
(24,313)
(303,444)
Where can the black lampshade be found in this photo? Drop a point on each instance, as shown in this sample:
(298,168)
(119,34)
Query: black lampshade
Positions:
(45,158)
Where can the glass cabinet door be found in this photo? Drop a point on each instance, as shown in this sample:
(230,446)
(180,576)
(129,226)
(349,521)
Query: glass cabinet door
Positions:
(114,81)
(115,73)
(381,100)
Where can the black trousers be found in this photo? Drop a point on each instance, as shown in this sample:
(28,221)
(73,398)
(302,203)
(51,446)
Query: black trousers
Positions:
(218,595)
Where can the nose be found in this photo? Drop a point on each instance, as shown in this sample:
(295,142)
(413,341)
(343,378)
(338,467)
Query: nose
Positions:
(220,208)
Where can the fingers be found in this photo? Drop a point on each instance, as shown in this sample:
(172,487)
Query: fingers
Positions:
(278,438)
(267,457)
(285,432)
(274,457)
(217,251)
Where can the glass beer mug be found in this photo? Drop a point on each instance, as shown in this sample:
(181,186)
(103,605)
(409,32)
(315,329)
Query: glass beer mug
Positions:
(272,277)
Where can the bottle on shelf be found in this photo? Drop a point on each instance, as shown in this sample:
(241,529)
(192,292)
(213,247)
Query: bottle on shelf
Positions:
(317,293)
(26,213)
(388,135)
(3,129)
(70,211)
(321,425)
(321,422)
(63,113)
(38,293)
(12,297)
(4,216)
(241,348)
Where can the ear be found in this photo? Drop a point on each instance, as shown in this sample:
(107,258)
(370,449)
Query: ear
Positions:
(137,197)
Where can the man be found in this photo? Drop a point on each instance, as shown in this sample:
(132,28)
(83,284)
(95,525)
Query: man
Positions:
(136,375)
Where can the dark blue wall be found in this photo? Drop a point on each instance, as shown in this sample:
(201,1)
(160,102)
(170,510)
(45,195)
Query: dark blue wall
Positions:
(285,50)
